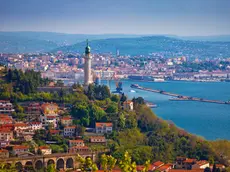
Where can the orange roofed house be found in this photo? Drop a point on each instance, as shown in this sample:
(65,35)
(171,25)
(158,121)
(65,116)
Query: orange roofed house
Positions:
(6,134)
(5,119)
(66,121)
(4,153)
(19,149)
(78,143)
(128,105)
(97,140)
(49,114)
(104,127)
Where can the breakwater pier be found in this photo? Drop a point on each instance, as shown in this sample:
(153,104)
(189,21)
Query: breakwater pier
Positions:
(178,97)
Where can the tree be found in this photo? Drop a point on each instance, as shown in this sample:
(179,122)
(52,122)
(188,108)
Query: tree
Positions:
(112,108)
(207,169)
(108,162)
(214,168)
(39,152)
(121,121)
(126,163)
(51,168)
(86,164)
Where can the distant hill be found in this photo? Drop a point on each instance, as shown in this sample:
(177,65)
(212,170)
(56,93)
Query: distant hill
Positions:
(169,47)
(20,42)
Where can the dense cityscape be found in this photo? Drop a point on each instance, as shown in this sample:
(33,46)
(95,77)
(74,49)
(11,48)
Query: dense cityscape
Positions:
(107,66)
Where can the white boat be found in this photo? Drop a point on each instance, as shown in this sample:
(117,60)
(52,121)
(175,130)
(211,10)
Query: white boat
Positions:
(158,80)
(132,91)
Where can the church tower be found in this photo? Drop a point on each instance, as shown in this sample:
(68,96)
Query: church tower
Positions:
(87,67)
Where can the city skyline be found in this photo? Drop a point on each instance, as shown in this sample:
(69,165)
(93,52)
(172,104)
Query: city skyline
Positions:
(183,18)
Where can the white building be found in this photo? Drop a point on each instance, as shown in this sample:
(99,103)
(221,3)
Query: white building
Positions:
(104,127)
(69,131)
(36,126)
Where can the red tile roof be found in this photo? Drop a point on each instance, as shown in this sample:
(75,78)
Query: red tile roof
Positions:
(44,147)
(158,164)
(101,124)
(189,160)
(20,147)
(75,141)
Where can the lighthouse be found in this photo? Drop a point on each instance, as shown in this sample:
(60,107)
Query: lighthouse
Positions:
(87,67)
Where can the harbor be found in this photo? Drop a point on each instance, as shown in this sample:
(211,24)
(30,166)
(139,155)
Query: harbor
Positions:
(178,97)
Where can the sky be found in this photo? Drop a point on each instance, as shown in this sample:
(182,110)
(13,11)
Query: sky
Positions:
(174,17)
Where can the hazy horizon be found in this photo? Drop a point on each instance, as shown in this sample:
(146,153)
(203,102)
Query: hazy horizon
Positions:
(134,17)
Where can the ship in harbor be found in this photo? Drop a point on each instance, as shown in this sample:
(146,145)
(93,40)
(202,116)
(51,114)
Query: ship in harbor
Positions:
(145,78)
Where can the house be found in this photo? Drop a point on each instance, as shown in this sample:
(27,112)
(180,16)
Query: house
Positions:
(78,143)
(49,109)
(97,140)
(69,131)
(128,105)
(45,150)
(104,127)
(49,115)
(187,164)
(66,121)
(33,111)
(77,149)
(6,134)
(4,153)
(35,126)
(54,132)
(200,165)
(19,149)
(6,107)
(5,119)
(21,126)
(220,166)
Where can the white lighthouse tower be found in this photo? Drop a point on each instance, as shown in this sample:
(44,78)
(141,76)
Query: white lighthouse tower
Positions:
(87,67)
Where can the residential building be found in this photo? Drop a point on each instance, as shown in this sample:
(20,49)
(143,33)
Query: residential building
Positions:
(66,121)
(78,143)
(128,105)
(5,119)
(45,150)
(6,107)
(157,164)
(19,149)
(35,126)
(21,126)
(4,153)
(4,143)
(70,131)
(97,140)
(49,115)
(33,111)
(77,149)
(6,134)
(104,127)
(200,165)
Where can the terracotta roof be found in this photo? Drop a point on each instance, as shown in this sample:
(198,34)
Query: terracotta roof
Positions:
(165,167)
(35,123)
(54,131)
(97,137)
(20,125)
(189,160)
(20,147)
(69,127)
(5,130)
(200,163)
(101,124)
(66,118)
(75,141)
(183,170)
(128,102)
(44,147)
(220,165)
(3,150)
(158,163)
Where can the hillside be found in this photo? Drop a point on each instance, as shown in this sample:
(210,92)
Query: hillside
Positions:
(168,47)
(23,42)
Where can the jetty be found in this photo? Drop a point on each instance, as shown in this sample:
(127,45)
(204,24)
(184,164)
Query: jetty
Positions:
(178,97)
